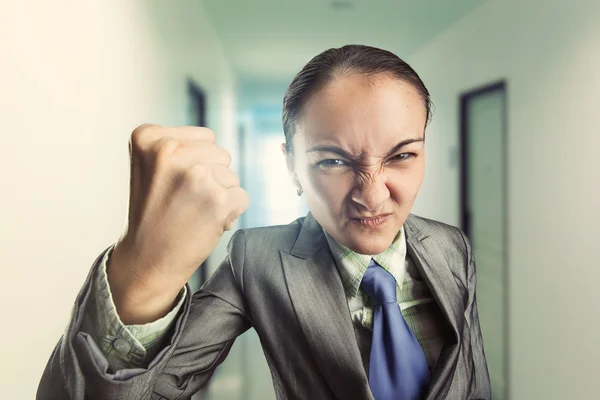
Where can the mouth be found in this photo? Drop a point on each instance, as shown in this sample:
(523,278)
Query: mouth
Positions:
(371,221)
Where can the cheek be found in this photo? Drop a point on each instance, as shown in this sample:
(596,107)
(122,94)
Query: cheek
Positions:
(329,188)
(405,185)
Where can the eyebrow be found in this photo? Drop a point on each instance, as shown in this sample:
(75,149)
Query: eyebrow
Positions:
(343,153)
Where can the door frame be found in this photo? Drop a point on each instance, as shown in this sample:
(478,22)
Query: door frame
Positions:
(465,98)
(197,100)
(465,213)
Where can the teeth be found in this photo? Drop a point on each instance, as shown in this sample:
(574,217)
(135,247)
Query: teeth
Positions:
(371,221)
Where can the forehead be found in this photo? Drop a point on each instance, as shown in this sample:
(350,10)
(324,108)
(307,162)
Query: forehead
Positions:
(362,114)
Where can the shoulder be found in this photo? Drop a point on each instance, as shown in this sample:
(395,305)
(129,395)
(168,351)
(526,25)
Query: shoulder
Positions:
(447,237)
(254,253)
(268,238)
(437,229)
(450,243)
(263,243)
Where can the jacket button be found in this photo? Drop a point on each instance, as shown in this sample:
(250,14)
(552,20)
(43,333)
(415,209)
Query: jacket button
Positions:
(122,346)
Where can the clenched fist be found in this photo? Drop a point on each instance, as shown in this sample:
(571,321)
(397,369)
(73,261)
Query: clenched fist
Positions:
(183,197)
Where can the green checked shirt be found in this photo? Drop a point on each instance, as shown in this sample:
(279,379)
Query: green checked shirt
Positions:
(134,346)
(419,309)
(124,346)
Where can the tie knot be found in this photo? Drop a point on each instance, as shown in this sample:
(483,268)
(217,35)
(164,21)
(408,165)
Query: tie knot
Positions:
(379,284)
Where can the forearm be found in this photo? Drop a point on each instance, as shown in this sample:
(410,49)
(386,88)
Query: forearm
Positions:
(140,297)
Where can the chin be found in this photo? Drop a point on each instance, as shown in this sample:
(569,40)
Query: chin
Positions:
(370,245)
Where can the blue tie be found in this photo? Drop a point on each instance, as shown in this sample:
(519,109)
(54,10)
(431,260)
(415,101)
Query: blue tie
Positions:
(397,368)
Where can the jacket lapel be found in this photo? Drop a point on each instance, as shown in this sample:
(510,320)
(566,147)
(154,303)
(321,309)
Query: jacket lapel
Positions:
(321,307)
(433,266)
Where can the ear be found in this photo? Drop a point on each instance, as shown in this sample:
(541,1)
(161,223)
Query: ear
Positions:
(289,160)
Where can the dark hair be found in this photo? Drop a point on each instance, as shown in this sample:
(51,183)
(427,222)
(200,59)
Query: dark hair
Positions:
(344,60)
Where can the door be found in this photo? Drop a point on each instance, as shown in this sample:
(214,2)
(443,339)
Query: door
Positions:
(484,218)
(196,116)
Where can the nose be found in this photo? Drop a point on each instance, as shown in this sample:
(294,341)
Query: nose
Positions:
(371,193)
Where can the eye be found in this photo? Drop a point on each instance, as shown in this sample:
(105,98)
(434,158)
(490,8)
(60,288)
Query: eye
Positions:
(402,157)
(329,163)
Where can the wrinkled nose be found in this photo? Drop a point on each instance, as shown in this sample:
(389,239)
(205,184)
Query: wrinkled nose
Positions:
(371,193)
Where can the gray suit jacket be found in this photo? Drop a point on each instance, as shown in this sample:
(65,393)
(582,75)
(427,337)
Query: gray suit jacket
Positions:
(283,282)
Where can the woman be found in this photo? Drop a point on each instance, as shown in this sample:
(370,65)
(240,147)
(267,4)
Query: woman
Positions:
(358,300)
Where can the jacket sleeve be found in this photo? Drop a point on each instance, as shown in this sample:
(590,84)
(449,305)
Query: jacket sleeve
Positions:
(199,340)
(480,383)
(124,346)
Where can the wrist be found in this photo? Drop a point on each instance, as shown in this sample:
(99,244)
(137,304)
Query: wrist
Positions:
(139,297)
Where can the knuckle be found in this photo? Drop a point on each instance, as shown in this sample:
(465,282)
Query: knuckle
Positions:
(163,149)
(210,135)
(220,198)
(224,153)
(221,155)
(244,201)
(195,177)
(227,176)
(139,136)
(236,180)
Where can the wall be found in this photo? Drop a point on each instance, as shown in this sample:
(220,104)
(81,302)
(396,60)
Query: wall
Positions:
(76,78)
(549,54)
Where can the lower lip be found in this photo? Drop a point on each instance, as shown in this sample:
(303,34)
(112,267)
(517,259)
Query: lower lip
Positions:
(371,222)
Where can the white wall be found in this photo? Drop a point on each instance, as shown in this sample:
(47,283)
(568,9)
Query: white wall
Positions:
(75,79)
(549,53)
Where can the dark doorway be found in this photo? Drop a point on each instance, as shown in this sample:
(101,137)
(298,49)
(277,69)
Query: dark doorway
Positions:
(484,217)
(197,104)
(197,117)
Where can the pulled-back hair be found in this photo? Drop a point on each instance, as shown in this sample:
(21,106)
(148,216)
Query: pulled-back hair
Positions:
(336,62)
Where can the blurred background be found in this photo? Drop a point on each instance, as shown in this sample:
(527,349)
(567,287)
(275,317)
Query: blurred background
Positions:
(513,155)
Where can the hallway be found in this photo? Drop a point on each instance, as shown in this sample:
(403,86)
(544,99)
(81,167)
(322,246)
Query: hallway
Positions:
(78,77)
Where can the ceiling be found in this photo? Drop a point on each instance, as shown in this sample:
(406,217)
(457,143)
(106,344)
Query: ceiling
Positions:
(268,41)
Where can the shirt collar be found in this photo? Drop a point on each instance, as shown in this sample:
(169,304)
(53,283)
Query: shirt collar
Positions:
(352,266)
